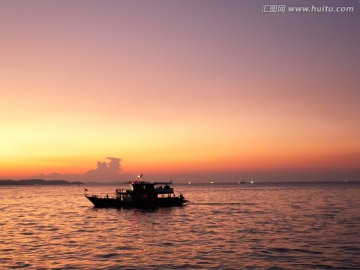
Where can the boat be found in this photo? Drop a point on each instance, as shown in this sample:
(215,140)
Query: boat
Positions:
(141,195)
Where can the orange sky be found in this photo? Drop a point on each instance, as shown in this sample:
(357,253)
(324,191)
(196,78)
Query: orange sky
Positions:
(184,87)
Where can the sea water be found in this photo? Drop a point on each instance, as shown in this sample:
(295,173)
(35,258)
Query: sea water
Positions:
(237,226)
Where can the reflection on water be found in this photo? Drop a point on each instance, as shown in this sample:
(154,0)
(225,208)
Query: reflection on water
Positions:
(297,226)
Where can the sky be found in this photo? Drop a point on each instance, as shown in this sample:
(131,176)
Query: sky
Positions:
(179,90)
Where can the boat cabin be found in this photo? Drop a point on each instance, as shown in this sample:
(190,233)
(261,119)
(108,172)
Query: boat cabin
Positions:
(146,190)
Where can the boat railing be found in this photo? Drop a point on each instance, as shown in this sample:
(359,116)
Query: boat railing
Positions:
(101,196)
(123,191)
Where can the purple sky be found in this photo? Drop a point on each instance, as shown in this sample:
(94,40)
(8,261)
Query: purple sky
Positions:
(184,89)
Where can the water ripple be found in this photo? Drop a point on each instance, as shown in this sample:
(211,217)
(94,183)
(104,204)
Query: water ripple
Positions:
(268,227)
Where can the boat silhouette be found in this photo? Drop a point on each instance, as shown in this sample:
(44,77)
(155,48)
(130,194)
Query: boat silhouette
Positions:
(141,195)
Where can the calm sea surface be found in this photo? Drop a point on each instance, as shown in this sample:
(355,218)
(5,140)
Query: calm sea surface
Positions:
(259,226)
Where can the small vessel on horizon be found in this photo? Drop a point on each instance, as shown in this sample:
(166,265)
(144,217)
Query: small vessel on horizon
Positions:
(141,195)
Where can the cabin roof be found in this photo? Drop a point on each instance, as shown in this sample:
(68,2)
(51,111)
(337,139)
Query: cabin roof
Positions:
(151,183)
(163,183)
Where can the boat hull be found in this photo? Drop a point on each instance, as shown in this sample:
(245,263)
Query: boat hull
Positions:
(117,203)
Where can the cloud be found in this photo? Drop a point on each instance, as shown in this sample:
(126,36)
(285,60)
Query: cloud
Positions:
(107,171)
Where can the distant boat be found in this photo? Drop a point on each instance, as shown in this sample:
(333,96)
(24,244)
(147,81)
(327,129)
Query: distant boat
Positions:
(141,195)
(242,182)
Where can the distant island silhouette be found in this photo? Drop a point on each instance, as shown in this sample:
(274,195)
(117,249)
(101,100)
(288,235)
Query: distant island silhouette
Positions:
(29,182)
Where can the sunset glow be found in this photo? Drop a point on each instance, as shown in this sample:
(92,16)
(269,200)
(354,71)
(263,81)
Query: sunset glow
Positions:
(177,88)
